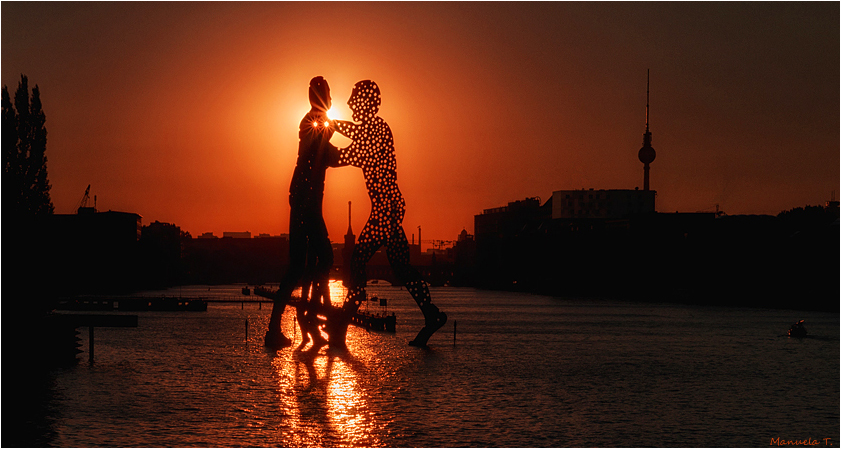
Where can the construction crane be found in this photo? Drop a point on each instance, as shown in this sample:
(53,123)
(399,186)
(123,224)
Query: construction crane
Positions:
(83,204)
(440,244)
(436,244)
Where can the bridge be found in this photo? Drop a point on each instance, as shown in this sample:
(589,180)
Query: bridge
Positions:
(435,275)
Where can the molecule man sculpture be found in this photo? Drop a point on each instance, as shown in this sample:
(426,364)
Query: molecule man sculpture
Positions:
(372,150)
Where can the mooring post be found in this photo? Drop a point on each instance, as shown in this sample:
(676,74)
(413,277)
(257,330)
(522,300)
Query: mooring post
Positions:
(455,325)
(90,344)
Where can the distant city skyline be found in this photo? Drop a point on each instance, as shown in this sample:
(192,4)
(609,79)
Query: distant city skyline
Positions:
(187,113)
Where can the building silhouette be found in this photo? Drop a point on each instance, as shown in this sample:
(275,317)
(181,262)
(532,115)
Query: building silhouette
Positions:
(602,204)
(93,251)
(614,243)
(230,260)
(236,235)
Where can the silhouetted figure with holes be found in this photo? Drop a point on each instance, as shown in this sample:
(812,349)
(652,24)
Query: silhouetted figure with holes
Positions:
(312,291)
(310,252)
(372,150)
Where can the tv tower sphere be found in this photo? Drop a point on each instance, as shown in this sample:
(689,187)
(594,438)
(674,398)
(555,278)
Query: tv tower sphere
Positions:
(647,153)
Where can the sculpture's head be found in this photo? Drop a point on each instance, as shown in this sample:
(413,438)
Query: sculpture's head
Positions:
(320,94)
(364,100)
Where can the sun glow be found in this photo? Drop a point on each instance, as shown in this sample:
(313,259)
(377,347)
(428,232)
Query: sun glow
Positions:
(338,292)
(333,114)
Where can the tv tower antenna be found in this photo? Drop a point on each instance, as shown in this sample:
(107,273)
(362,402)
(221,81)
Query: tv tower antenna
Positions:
(647,93)
(646,153)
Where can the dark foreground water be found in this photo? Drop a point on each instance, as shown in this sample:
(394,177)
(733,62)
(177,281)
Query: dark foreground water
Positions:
(525,371)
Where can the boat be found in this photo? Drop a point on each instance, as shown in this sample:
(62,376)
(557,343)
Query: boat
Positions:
(246,291)
(266,292)
(797,330)
(375,322)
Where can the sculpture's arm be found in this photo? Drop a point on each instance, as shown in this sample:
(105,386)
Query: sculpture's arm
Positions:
(352,154)
(345,128)
(334,156)
(349,156)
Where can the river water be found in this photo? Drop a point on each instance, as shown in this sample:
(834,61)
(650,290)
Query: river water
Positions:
(521,371)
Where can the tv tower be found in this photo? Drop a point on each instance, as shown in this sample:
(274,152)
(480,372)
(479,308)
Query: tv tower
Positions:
(646,153)
(347,250)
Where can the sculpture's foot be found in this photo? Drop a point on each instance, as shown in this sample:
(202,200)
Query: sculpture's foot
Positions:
(276,340)
(336,328)
(318,342)
(338,336)
(435,319)
(303,344)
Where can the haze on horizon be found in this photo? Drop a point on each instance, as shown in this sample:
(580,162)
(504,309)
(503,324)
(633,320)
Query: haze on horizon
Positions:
(187,113)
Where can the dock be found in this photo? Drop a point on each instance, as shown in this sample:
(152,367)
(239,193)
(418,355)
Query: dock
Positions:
(133,304)
(107,303)
(64,331)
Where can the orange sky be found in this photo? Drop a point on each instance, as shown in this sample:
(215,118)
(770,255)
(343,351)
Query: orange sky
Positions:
(187,113)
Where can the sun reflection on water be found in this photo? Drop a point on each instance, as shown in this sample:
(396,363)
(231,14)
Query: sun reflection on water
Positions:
(337,293)
(324,396)
(347,405)
(323,401)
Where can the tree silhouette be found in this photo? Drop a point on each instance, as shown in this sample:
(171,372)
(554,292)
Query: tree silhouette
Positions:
(30,273)
(26,189)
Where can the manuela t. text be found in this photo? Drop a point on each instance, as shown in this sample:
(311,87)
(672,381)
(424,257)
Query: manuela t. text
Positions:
(804,442)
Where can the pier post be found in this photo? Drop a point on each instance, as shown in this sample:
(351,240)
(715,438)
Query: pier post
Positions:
(91,321)
(455,326)
(90,344)
(246,331)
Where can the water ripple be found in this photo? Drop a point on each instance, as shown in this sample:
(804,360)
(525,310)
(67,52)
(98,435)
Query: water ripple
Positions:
(526,371)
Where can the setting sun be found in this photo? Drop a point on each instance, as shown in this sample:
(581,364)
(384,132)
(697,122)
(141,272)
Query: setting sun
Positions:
(333,114)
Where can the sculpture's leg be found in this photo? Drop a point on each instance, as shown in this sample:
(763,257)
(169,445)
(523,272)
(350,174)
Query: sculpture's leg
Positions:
(274,336)
(297,263)
(320,289)
(434,319)
(321,252)
(336,327)
(301,312)
(398,256)
(339,319)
